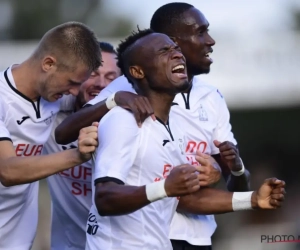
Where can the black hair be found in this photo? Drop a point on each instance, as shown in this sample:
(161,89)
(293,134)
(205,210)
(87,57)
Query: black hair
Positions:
(167,17)
(125,47)
(107,47)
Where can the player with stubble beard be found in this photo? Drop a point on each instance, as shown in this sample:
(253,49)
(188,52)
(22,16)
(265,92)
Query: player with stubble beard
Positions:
(138,181)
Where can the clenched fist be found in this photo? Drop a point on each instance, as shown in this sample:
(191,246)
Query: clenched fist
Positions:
(182,180)
(230,155)
(88,141)
(271,194)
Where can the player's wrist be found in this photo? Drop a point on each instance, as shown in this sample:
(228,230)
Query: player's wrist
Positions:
(156,191)
(244,201)
(79,157)
(254,200)
(111,102)
(239,172)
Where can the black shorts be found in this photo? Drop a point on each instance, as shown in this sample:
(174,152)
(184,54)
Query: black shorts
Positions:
(184,245)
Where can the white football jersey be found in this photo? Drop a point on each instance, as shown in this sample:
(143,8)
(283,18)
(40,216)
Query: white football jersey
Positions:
(71,198)
(205,116)
(136,157)
(28,125)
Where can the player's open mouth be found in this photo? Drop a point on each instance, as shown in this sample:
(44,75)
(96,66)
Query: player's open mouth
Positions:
(94,94)
(180,71)
(207,55)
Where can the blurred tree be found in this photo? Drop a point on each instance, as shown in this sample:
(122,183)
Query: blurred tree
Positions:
(294,9)
(296,15)
(32,18)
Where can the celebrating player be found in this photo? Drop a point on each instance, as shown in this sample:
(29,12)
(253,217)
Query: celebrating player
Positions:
(205,117)
(71,191)
(140,172)
(29,93)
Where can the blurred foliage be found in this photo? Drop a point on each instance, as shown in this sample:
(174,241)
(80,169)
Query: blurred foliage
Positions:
(296,17)
(32,18)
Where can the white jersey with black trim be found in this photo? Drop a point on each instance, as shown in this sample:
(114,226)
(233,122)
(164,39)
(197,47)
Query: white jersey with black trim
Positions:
(71,198)
(204,114)
(135,156)
(205,117)
(27,125)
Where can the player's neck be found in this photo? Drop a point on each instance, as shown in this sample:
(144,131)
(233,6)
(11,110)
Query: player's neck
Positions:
(24,77)
(161,104)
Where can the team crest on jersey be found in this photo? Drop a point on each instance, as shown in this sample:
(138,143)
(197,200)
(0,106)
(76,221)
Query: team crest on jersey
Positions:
(202,114)
(49,119)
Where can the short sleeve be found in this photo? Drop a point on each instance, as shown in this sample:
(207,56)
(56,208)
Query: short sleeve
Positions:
(119,84)
(118,136)
(4,133)
(223,129)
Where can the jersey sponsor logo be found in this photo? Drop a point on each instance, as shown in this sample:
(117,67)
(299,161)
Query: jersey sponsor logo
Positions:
(166,171)
(191,149)
(28,150)
(202,114)
(92,224)
(80,178)
(24,118)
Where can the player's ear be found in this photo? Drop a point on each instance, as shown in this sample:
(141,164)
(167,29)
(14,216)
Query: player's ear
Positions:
(48,63)
(136,72)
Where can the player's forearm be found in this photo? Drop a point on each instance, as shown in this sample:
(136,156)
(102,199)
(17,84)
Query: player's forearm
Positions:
(239,183)
(210,201)
(234,183)
(21,170)
(68,130)
(115,200)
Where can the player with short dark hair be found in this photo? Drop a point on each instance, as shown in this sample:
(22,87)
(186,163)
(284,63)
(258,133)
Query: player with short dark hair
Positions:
(204,114)
(107,47)
(139,180)
(70,190)
(167,17)
(29,93)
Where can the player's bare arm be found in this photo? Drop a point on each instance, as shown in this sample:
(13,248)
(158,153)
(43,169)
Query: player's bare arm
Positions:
(68,130)
(110,196)
(20,170)
(213,201)
(233,170)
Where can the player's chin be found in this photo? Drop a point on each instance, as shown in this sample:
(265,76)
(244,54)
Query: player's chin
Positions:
(182,85)
(204,68)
